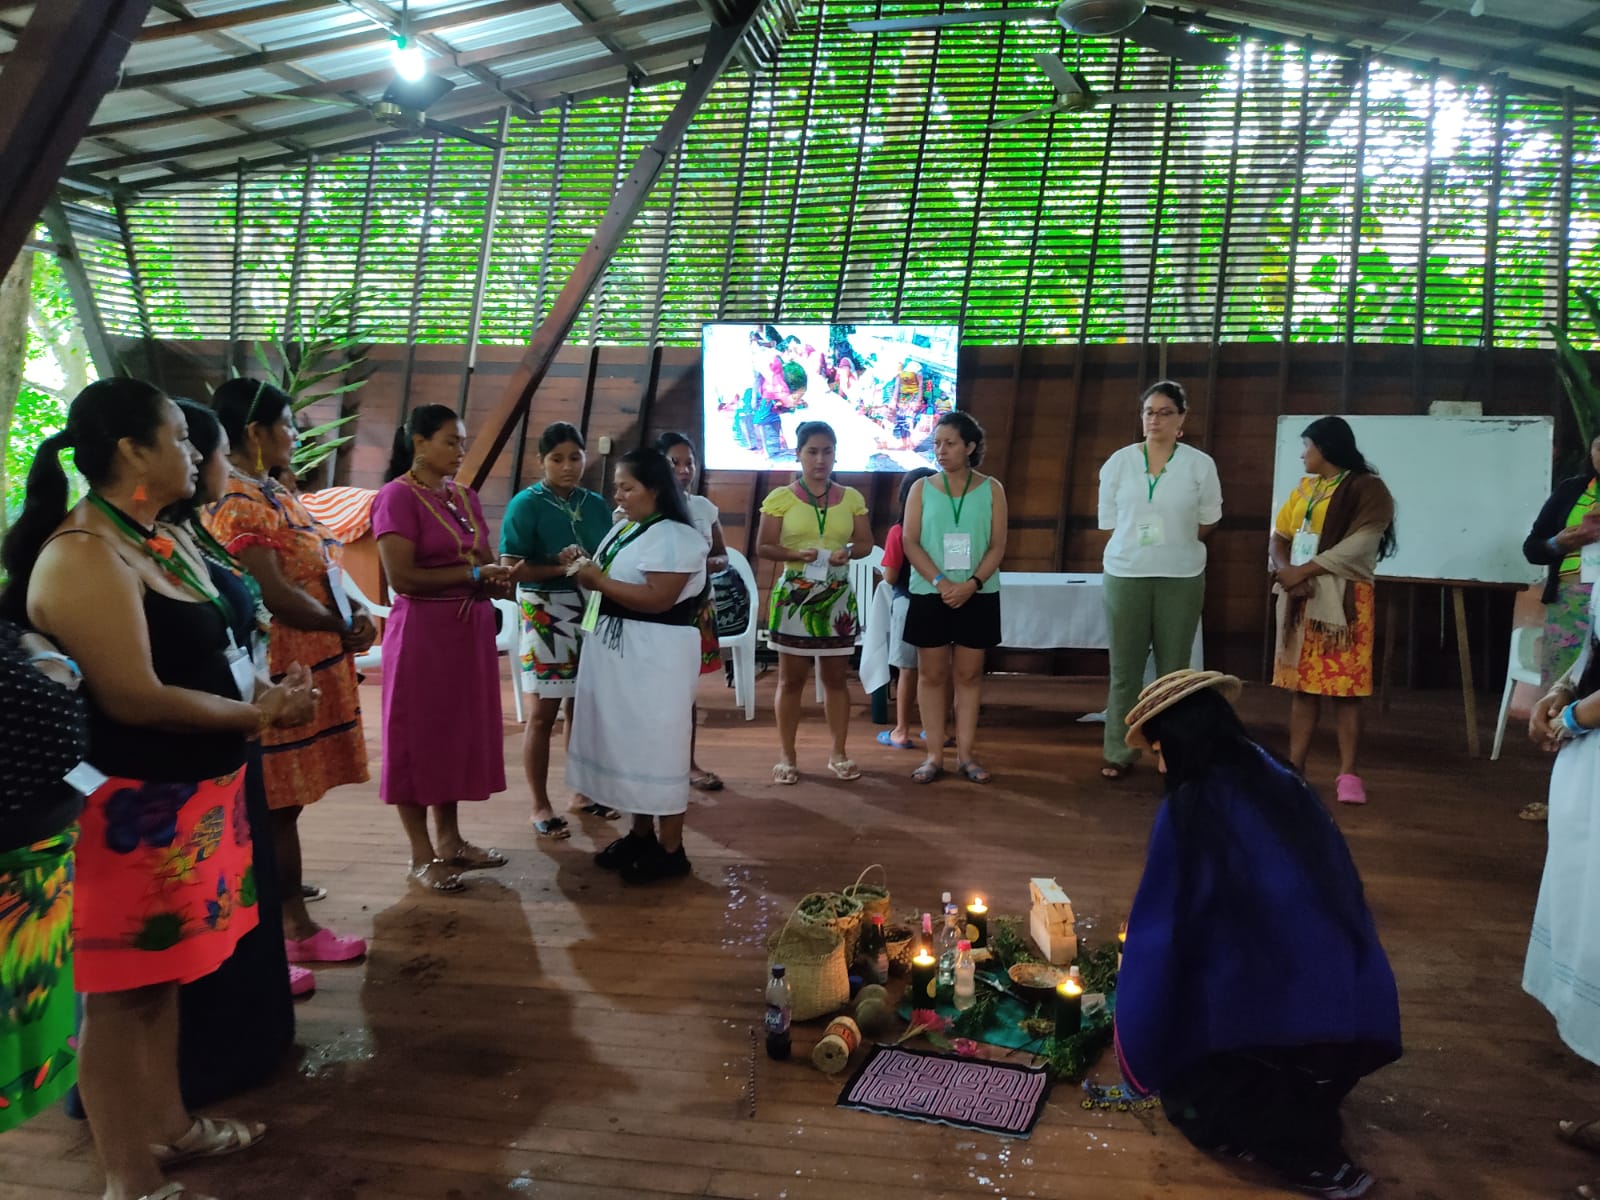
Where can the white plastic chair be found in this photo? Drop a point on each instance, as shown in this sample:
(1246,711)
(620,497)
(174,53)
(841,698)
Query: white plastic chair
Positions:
(743,643)
(1522,666)
(373,657)
(509,643)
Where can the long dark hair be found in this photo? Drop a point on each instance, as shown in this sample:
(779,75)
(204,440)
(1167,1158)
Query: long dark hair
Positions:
(907,484)
(240,403)
(99,418)
(810,429)
(557,434)
(653,470)
(1336,442)
(423,423)
(205,435)
(1209,753)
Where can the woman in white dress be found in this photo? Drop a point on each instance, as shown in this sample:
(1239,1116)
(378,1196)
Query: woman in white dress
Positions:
(1562,971)
(703,515)
(633,716)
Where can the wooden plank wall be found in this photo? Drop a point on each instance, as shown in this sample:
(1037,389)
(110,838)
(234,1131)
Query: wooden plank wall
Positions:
(1052,432)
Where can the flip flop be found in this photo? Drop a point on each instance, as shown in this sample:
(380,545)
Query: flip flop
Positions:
(1116,772)
(551,827)
(706,781)
(785,773)
(1537,810)
(473,858)
(311,893)
(844,768)
(886,738)
(208,1138)
(974,772)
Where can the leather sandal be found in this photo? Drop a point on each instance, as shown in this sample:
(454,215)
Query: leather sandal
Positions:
(1583,1134)
(471,858)
(428,876)
(208,1138)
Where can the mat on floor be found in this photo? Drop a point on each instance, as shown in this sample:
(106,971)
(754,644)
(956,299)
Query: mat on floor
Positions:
(968,1093)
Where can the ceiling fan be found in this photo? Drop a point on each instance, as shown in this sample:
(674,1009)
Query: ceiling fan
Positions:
(402,106)
(1073,94)
(1086,18)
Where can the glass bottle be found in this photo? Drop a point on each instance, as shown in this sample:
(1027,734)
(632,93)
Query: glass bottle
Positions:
(966,992)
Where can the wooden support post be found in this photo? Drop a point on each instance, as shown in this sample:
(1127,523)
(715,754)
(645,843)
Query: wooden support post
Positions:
(491,210)
(94,329)
(1469,700)
(65,61)
(619,217)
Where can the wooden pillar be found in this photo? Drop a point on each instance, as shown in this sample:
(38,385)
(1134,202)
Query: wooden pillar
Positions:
(94,329)
(491,210)
(619,217)
(66,59)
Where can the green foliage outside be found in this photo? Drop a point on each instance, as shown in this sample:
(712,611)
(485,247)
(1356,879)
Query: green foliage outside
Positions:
(860,180)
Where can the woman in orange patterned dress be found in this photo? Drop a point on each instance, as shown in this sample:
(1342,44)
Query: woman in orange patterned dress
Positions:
(1326,543)
(273,537)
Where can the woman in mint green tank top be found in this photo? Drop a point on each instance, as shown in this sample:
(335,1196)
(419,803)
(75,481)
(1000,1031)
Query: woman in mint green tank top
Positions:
(955,537)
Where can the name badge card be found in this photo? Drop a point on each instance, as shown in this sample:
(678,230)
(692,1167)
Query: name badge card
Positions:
(1589,563)
(84,779)
(1150,529)
(341,598)
(958,552)
(1304,548)
(243,669)
(817,569)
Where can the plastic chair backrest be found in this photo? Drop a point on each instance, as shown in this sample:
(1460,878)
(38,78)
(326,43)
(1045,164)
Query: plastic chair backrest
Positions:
(741,566)
(1526,643)
(353,590)
(863,574)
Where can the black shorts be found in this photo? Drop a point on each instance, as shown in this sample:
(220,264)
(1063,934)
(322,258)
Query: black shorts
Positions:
(931,622)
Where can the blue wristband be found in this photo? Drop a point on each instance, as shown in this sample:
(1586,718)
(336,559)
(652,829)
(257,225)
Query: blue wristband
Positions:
(477,573)
(939,578)
(1569,718)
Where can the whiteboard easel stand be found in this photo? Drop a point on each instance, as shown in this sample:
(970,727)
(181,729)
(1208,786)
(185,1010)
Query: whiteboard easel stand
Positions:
(1469,698)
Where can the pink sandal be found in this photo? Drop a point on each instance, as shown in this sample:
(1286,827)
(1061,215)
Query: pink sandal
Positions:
(325,946)
(1350,790)
(301,981)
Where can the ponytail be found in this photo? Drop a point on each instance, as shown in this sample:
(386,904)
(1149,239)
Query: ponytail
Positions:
(423,423)
(43,508)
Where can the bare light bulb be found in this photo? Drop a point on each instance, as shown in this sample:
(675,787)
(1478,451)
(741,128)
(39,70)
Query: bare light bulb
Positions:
(409,62)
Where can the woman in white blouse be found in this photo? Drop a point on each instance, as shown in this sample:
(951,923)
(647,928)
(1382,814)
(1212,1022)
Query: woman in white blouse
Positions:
(1160,501)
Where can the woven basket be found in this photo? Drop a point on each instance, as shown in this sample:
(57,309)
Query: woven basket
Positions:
(843,916)
(815,965)
(902,945)
(873,897)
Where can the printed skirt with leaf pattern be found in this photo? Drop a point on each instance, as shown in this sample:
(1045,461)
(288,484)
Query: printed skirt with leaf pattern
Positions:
(815,618)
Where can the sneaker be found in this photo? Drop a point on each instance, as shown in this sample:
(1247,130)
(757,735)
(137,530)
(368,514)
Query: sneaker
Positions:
(626,849)
(656,864)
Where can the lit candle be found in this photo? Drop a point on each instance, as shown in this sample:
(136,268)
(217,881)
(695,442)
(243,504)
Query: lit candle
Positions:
(1069,1007)
(978,923)
(924,980)
(1122,942)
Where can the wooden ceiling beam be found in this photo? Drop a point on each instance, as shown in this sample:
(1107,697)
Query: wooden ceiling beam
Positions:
(373,38)
(613,230)
(65,62)
(188,26)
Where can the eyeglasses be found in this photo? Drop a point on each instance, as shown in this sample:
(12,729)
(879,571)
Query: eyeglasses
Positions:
(1163,413)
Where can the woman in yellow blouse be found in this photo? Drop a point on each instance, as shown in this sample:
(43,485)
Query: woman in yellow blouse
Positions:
(1326,544)
(814,527)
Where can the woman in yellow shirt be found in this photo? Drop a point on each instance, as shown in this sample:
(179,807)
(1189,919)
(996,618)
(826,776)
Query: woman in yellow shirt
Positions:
(814,527)
(1326,544)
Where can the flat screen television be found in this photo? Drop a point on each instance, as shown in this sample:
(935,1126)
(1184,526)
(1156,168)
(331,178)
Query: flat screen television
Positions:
(881,387)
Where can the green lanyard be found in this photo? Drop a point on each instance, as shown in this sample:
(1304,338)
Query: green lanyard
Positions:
(1318,496)
(955,505)
(175,567)
(1152,481)
(819,508)
(626,538)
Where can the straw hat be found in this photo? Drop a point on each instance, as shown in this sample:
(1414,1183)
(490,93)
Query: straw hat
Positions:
(1167,691)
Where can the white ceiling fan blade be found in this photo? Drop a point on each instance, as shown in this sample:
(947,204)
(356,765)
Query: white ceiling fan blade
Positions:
(1032,115)
(1057,71)
(1162,36)
(1138,97)
(940,20)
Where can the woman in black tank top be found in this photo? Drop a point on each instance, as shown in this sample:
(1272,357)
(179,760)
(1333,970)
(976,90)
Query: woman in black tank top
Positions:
(165,885)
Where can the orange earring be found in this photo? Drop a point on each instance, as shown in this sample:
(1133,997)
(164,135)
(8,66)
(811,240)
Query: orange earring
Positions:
(140,495)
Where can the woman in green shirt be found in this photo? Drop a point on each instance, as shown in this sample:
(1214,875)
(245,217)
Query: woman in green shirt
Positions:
(541,522)
(955,537)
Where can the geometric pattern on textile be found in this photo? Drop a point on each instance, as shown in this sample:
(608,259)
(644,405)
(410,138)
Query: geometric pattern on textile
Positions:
(968,1093)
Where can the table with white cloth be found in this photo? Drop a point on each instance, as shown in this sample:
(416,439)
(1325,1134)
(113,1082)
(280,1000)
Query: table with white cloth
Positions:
(1039,610)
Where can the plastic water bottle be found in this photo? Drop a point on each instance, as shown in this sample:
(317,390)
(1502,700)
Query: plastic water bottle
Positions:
(966,994)
(949,936)
(780,1004)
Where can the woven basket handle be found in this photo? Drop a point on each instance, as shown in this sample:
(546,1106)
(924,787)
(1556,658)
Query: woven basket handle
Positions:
(851,890)
(793,913)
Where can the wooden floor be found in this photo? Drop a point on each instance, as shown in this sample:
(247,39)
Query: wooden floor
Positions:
(552,1033)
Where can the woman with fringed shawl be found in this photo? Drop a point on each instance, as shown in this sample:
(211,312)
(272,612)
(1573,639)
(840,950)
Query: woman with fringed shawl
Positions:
(1254,993)
(1327,542)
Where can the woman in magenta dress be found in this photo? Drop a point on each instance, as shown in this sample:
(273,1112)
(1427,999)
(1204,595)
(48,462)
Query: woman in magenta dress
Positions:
(441,679)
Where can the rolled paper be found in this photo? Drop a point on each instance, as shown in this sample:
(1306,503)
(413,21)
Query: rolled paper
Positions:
(832,1054)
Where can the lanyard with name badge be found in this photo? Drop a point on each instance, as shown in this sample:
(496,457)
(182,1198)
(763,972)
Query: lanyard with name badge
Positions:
(1150,529)
(239,664)
(607,556)
(1304,547)
(957,545)
(817,569)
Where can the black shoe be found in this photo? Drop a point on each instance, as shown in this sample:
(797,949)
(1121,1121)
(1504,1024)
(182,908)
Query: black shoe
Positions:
(656,864)
(625,850)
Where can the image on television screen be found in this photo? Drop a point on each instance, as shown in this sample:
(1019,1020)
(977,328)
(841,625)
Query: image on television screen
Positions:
(881,387)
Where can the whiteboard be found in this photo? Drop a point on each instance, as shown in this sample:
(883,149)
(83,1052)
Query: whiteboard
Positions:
(1466,490)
